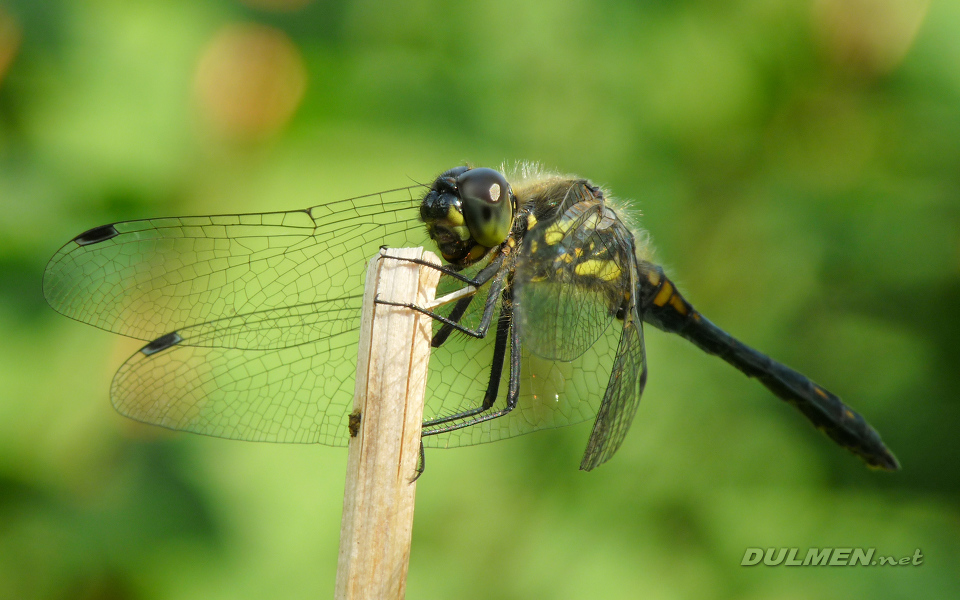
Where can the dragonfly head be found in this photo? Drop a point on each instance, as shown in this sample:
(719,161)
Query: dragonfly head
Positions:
(467,212)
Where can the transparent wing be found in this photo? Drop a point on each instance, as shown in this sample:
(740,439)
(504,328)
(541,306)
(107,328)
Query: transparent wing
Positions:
(575,276)
(553,393)
(252,322)
(572,278)
(147,278)
(301,393)
(622,396)
(304,393)
(275,327)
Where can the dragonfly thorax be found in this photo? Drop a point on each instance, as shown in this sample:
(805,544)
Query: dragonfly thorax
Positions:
(467,212)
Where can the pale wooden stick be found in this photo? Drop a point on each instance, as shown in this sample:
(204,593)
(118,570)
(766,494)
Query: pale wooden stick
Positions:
(377,522)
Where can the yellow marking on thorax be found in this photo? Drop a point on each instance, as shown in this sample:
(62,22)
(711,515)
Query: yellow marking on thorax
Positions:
(553,236)
(653,277)
(664,294)
(531,221)
(556,232)
(606,270)
(475,253)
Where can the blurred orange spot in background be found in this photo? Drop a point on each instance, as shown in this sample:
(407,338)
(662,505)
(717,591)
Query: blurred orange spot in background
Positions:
(870,37)
(9,41)
(249,81)
(277,5)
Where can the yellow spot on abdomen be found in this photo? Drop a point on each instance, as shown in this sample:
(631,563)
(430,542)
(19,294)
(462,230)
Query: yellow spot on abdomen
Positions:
(678,304)
(664,294)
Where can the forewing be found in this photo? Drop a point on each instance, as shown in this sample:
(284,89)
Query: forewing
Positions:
(147,278)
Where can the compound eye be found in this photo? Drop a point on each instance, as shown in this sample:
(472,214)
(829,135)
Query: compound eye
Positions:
(483,184)
(487,209)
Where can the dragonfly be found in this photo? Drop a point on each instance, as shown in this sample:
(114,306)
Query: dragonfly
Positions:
(250,321)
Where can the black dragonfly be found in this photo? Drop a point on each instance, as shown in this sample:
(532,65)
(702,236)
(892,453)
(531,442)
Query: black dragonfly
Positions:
(251,320)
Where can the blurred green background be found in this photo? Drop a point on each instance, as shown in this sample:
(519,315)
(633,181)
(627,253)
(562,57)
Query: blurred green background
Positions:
(797,164)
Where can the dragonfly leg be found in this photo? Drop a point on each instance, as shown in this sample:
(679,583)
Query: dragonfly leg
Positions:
(481,277)
(505,333)
(455,315)
(421,463)
(493,384)
(496,288)
(505,330)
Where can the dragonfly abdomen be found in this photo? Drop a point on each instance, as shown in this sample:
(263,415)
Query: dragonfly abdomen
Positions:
(663,307)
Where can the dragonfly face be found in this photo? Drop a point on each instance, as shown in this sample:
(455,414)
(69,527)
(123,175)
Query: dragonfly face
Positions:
(467,212)
(250,321)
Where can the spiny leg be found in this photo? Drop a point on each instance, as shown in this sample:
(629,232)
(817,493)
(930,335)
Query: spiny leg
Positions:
(513,387)
(479,279)
(455,315)
(496,288)
(505,332)
(493,383)
(421,463)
